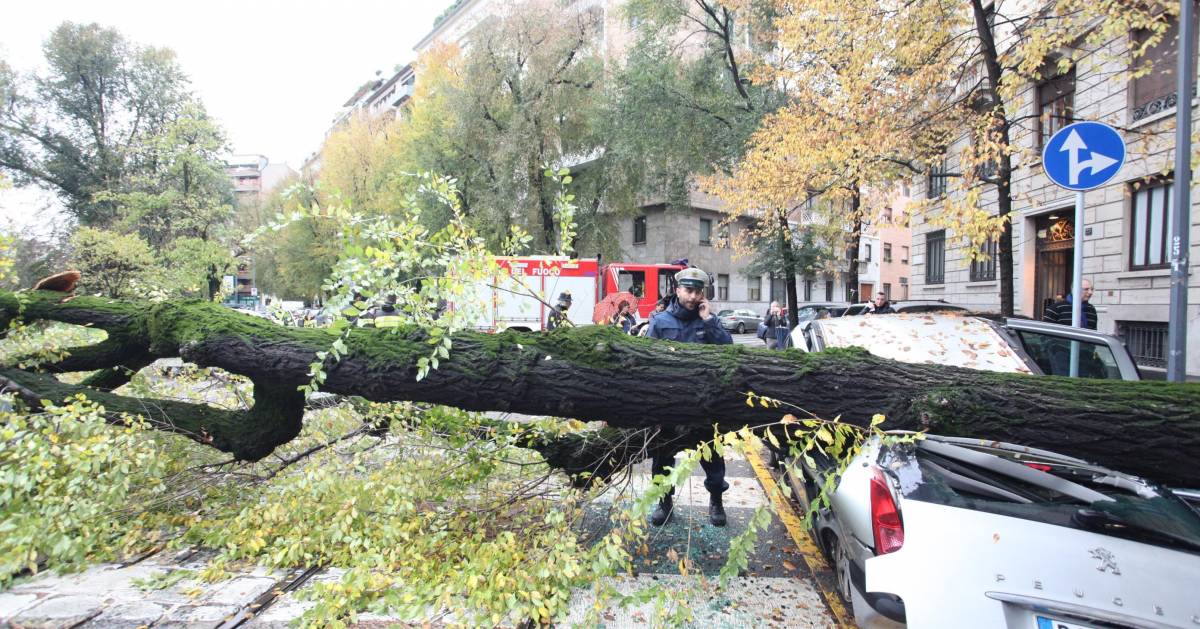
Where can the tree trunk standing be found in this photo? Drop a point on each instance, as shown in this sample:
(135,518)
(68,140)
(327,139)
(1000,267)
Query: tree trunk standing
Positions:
(1146,428)
(789,265)
(854,244)
(1003,182)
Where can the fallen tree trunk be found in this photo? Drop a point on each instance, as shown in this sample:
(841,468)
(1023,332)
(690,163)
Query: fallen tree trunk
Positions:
(595,373)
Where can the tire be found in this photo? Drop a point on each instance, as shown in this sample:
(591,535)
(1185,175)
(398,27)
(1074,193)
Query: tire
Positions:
(741,329)
(841,567)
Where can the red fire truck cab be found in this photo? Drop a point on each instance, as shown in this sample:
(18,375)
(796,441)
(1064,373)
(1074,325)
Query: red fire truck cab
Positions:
(520,296)
(649,282)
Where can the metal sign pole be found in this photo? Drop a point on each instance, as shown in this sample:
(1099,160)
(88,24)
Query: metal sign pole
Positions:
(1181,223)
(1077,282)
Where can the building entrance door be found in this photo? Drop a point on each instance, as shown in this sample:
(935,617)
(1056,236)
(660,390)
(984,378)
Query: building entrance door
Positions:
(1055,259)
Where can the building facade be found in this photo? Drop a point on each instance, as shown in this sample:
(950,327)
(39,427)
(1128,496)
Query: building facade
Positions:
(1127,223)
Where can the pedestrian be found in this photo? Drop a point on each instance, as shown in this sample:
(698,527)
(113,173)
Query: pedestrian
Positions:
(881,305)
(623,318)
(1060,312)
(772,321)
(688,318)
(783,329)
(558,314)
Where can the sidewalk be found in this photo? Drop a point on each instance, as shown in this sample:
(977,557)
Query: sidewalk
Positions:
(776,590)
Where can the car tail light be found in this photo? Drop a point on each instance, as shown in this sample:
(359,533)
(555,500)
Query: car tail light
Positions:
(1041,467)
(886,525)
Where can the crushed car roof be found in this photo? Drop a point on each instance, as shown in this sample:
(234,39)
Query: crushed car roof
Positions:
(944,339)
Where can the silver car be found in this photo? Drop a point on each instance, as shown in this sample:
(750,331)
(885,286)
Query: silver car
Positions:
(951,532)
(739,321)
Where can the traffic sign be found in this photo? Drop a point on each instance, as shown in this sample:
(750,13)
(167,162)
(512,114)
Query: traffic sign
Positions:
(1083,155)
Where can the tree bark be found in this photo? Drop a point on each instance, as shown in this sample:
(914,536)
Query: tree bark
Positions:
(595,373)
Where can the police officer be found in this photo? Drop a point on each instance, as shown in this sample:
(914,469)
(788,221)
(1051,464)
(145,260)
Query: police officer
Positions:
(558,314)
(688,318)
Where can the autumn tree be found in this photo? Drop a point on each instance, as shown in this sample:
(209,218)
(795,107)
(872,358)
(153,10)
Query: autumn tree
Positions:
(883,91)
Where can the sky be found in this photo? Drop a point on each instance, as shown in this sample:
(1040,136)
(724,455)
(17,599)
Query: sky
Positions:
(273,72)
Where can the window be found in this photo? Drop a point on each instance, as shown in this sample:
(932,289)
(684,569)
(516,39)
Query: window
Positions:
(639,230)
(632,282)
(1052,353)
(666,283)
(828,290)
(887,214)
(935,257)
(1056,105)
(887,291)
(723,234)
(754,288)
(983,270)
(1155,92)
(711,292)
(1151,229)
(1146,340)
(887,252)
(706,231)
(808,286)
(903,254)
(935,185)
(904,288)
(722,287)
(866,252)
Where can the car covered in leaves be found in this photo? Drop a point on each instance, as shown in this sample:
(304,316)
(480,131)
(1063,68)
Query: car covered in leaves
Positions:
(941,532)
(1010,345)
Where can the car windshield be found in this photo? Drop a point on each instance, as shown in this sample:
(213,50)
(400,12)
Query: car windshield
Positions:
(1063,494)
(807,313)
(725,313)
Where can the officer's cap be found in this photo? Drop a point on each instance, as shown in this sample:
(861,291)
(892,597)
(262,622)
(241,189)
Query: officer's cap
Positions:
(692,278)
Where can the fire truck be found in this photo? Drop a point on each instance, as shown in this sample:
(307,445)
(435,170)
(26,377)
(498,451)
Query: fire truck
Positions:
(521,295)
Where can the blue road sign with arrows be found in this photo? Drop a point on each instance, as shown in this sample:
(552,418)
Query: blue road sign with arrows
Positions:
(1083,155)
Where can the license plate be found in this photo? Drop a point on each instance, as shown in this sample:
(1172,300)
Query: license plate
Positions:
(1053,623)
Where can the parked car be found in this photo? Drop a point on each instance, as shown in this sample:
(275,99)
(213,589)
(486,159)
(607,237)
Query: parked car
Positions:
(810,311)
(1010,345)
(952,532)
(907,306)
(739,320)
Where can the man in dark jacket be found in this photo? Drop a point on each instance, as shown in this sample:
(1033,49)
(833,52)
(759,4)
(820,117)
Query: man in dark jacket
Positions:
(881,305)
(688,319)
(1060,312)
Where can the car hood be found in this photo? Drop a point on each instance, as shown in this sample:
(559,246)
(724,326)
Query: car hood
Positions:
(965,565)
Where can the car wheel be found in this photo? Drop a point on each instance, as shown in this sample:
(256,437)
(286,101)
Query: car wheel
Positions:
(741,328)
(841,566)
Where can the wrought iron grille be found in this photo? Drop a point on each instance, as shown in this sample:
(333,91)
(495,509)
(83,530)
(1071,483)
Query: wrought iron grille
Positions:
(1146,340)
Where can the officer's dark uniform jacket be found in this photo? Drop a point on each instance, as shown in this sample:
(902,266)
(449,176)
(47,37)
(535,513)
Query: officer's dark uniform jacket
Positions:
(677,323)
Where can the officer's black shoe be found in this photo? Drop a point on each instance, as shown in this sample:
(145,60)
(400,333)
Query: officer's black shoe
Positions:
(662,513)
(716,510)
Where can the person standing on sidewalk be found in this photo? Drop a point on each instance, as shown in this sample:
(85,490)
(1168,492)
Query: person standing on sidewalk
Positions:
(772,322)
(688,319)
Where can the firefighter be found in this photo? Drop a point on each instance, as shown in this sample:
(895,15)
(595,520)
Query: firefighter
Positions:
(558,314)
(356,309)
(688,318)
(386,316)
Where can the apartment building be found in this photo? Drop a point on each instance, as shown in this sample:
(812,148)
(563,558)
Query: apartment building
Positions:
(254,176)
(1127,223)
